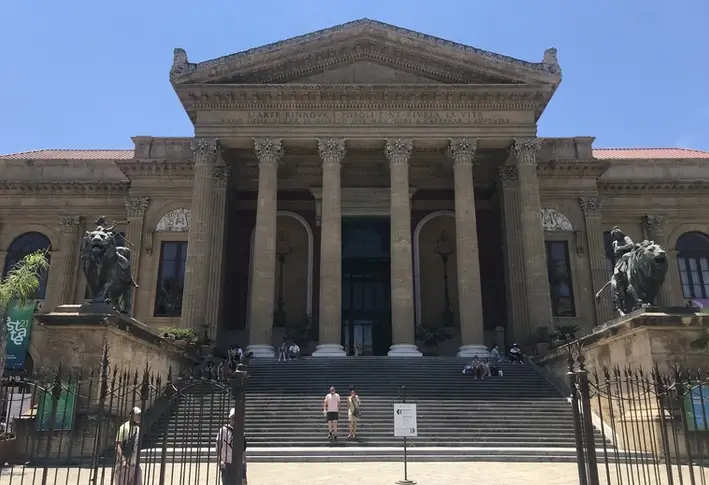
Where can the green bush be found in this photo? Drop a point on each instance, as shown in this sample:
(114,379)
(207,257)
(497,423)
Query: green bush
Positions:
(175,333)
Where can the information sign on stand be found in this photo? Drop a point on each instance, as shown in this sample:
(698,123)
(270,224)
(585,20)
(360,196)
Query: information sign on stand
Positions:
(405,425)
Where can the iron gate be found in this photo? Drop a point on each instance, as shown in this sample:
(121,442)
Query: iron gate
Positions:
(68,427)
(637,427)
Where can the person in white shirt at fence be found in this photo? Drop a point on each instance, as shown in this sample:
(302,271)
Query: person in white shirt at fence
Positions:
(225,443)
(126,470)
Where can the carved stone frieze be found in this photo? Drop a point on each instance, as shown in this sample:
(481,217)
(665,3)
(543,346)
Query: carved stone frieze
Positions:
(157,169)
(378,96)
(554,221)
(176,220)
(205,150)
(63,189)
(136,206)
(525,150)
(70,224)
(462,150)
(686,188)
(507,175)
(591,206)
(565,169)
(398,150)
(332,150)
(220,176)
(268,150)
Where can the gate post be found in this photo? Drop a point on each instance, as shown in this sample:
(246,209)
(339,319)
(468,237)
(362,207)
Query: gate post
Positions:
(585,392)
(578,432)
(238,386)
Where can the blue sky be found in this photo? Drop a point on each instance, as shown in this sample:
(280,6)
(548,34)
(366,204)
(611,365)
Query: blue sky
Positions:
(91,74)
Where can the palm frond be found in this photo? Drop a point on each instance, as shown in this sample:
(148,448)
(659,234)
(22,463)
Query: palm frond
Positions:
(22,281)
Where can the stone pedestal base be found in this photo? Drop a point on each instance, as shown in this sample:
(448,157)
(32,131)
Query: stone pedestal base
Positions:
(404,350)
(473,350)
(261,351)
(329,350)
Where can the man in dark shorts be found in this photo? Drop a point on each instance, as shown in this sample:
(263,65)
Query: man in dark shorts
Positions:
(331,410)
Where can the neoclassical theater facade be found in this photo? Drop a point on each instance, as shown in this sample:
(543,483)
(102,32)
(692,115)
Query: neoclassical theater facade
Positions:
(384,187)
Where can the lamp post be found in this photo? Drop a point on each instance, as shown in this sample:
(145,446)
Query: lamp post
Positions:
(444,248)
(283,249)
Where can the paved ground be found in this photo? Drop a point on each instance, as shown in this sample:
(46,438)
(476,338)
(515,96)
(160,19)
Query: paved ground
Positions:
(362,474)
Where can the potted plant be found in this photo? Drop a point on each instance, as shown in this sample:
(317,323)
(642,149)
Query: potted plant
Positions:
(543,341)
(563,334)
(183,337)
(7,447)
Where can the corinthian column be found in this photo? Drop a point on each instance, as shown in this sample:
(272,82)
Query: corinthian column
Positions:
(513,244)
(269,152)
(592,207)
(655,228)
(204,152)
(135,213)
(534,251)
(467,256)
(332,151)
(398,152)
(215,275)
(69,265)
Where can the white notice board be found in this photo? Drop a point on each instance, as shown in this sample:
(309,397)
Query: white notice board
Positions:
(405,425)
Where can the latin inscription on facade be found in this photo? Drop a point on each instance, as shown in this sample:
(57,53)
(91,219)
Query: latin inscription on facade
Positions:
(349,117)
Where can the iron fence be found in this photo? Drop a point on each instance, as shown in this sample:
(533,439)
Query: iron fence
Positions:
(639,427)
(108,426)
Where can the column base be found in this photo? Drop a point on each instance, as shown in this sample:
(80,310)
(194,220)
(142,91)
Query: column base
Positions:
(404,350)
(329,350)
(473,350)
(259,351)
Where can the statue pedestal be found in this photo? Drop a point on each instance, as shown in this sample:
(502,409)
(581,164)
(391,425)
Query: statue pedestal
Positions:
(76,335)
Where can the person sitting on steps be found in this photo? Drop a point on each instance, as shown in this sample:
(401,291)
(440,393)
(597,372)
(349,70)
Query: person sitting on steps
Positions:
(515,354)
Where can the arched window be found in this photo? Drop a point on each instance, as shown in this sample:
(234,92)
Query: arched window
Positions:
(693,262)
(171,279)
(24,244)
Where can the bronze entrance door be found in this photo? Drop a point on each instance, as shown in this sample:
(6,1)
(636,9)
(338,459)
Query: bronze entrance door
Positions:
(366,291)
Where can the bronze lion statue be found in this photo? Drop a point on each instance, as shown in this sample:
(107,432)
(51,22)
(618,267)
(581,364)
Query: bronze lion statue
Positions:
(638,279)
(107,268)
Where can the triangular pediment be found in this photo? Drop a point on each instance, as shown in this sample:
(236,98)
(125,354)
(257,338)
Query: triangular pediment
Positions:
(365,51)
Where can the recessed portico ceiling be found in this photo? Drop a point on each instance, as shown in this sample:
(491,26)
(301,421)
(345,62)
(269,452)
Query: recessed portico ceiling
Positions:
(432,58)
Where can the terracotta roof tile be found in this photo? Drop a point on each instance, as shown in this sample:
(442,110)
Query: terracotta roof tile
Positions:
(647,153)
(87,154)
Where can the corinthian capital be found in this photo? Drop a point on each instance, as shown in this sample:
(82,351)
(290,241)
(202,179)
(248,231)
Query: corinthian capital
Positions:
(398,150)
(462,150)
(591,206)
(204,150)
(220,176)
(525,150)
(655,224)
(332,150)
(507,175)
(70,224)
(136,206)
(268,150)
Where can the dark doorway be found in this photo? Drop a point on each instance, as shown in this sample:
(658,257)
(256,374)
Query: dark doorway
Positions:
(366,290)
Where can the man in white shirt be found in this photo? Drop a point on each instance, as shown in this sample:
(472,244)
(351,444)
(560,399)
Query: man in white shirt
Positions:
(225,442)
(126,470)
(331,410)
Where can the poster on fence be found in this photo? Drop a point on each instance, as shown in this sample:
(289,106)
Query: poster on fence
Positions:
(64,415)
(19,323)
(696,408)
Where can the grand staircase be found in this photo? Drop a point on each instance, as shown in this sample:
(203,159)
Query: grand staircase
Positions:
(518,415)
